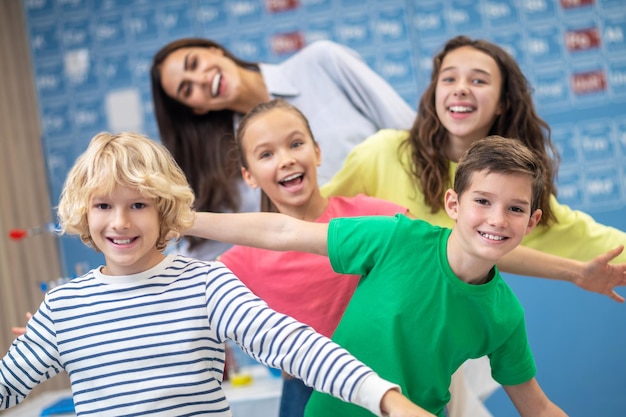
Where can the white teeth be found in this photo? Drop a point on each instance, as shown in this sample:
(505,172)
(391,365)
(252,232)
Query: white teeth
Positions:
(461,109)
(121,241)
(291,177)
(215,86)
(492,237)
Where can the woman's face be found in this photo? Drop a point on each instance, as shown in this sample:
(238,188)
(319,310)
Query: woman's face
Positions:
(201,78)
(467,95)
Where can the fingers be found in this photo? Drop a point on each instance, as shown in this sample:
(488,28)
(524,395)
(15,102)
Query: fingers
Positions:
(616,297)
(18,331)
(610,255)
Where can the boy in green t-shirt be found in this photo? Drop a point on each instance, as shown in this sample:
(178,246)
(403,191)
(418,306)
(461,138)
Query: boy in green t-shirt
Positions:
(430,297)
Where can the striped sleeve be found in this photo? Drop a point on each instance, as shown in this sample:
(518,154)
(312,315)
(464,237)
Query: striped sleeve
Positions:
(282,342)
(31,359)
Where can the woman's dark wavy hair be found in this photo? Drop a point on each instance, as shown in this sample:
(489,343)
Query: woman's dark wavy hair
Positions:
(203,145)
(428,138)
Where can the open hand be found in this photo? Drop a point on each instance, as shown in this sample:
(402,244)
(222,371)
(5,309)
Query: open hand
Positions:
(598,275)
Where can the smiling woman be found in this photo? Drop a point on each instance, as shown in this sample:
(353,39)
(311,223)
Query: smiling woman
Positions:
(201,90)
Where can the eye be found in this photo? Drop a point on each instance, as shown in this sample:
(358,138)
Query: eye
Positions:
(265,154)
(297,144)
(193,62)
(478,81)
(517,210)
(102,206)
(138,206)
(446,79)
(482,201)
(186,89)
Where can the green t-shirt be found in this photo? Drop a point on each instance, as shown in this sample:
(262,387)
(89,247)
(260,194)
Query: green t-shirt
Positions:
(412,320)
(379,167)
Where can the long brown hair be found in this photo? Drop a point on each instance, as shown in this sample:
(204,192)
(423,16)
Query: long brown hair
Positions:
(203,145)
(428,138)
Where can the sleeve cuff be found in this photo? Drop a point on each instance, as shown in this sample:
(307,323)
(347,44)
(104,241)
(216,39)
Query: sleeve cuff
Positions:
(371,392)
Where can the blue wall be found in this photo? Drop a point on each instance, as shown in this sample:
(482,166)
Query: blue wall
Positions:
(91,61)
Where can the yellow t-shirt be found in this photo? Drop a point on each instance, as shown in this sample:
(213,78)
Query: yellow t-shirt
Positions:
(376,168)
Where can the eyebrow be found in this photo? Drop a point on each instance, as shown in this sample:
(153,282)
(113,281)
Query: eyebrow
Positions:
(185,67)
(482,71)
(520,201)
(288,136)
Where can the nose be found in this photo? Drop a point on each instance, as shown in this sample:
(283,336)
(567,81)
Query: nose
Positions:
(497,218)
(120,220)
(460,88)
(286,159)
(197,77)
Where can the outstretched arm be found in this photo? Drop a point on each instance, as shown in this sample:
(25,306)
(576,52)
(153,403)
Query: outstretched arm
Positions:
(531,401)
(596,275)
(273,231)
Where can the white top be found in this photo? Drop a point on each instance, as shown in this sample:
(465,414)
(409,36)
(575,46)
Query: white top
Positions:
(344,100)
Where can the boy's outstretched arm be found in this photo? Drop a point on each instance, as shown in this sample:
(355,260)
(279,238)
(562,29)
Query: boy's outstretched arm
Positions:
(272,231)
(531,401)
(596,275)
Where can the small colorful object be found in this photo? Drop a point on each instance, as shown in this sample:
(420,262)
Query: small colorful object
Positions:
(18,234)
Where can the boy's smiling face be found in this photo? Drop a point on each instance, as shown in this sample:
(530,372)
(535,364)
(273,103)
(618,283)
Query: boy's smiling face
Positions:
(124,226)
(492,216)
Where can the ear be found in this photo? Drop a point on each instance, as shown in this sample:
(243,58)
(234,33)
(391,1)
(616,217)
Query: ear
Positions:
(533,220)
(318,154)
(248,178)
(451,204)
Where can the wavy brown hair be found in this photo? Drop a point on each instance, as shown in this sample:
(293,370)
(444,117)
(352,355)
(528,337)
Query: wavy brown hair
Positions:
(203,145)
(428,138)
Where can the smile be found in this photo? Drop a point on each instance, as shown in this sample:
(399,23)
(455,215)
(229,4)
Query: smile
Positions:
(215,85)
(291,178)
(492,237)
(460,109)
(122,241)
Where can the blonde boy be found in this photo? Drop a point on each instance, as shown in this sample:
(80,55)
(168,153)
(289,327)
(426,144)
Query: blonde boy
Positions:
(145,333)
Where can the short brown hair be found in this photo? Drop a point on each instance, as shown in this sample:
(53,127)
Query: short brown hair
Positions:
(500,155)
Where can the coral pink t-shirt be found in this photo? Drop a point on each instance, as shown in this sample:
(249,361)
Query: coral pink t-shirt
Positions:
(303,285)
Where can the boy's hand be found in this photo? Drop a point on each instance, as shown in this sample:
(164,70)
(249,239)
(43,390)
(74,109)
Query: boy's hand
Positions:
(395,404)
(18,331)
(601,277)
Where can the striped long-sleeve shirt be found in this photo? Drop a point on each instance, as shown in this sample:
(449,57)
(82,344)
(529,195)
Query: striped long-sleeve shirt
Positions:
(153,344)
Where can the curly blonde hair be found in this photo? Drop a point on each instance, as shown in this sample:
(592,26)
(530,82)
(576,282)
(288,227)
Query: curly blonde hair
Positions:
(130,160)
